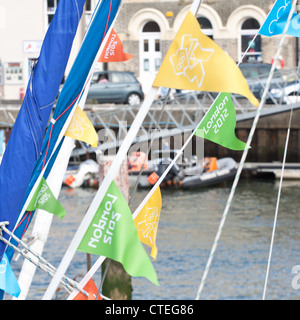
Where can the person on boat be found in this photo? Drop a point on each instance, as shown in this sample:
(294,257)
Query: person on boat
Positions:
(137,161)
(172,176)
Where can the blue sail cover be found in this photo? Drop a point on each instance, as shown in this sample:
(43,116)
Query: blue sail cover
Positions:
(73,87)
(24,146)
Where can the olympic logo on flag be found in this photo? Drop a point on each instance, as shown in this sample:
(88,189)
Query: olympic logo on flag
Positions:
(78,126)
(188,60)
(279,14)
(3,265)
(148,225)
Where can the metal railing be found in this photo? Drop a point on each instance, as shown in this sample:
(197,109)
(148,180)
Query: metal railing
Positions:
(182,111)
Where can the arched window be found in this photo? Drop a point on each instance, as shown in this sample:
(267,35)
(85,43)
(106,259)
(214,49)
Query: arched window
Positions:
(151,26)
(206,26)
(249,46)
(150,53)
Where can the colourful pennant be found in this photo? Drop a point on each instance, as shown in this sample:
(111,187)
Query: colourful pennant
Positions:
(196,62)
(147,221)
(218,124)
(112,233)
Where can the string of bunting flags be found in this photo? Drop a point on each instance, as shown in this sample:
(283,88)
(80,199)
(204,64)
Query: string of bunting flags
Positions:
(223,107)
(109,228)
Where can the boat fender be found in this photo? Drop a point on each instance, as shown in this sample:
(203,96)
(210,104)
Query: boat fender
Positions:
(152,178)
(69,180)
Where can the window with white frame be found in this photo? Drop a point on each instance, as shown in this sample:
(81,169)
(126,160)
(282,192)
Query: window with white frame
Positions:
(89,8)
(250,41)
(150,53)
(206,27)
(51,7)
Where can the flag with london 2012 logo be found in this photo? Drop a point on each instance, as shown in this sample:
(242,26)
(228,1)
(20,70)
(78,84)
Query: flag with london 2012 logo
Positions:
(112,233)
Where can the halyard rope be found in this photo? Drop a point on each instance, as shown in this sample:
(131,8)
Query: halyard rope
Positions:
(41,263)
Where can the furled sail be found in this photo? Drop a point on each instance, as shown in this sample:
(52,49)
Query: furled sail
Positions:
(24,146)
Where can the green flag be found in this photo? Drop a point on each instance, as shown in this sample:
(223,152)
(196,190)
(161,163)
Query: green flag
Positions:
(219,123)
(112,233)
(43,198)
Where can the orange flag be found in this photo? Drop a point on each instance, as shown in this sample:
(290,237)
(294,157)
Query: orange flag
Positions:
(91,289)
(113,50)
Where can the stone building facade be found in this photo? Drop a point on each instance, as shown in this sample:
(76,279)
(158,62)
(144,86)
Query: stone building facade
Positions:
(146,29)
(231,24)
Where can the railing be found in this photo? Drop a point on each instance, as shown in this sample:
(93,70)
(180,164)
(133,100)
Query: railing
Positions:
(182,111)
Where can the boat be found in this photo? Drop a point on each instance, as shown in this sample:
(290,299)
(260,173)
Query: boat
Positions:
(187,174)
(82,175)
(86,174)
(226,170)
(210,172)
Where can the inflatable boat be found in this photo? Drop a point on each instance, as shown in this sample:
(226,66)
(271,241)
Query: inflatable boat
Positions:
(226,170)
(212,172)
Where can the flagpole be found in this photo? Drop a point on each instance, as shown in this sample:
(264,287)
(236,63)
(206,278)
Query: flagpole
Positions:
(111,174)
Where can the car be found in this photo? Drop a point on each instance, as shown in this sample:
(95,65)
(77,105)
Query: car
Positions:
(257,75)
(115,87)
(291,89)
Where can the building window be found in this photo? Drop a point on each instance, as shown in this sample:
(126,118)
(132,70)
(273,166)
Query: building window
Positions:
(89,9)
(151,26)
(206,27)
(51,7)
(150,53)
(250,46)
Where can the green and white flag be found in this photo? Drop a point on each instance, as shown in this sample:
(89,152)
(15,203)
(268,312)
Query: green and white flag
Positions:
(112,233)
(219,124)
(44,199)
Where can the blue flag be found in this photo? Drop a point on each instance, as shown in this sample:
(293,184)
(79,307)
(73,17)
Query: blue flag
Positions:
(103,17)
(25,142)
(8,280)
(277,19)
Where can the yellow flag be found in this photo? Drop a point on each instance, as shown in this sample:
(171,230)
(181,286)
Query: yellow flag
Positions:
(196,62)
(147,221)
(81,128)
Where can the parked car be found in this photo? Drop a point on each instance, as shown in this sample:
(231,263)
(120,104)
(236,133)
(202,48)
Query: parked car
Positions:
(257,75)
(115,87)
(291,89)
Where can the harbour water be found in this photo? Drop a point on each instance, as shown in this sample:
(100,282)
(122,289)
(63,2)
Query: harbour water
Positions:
(188,225)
